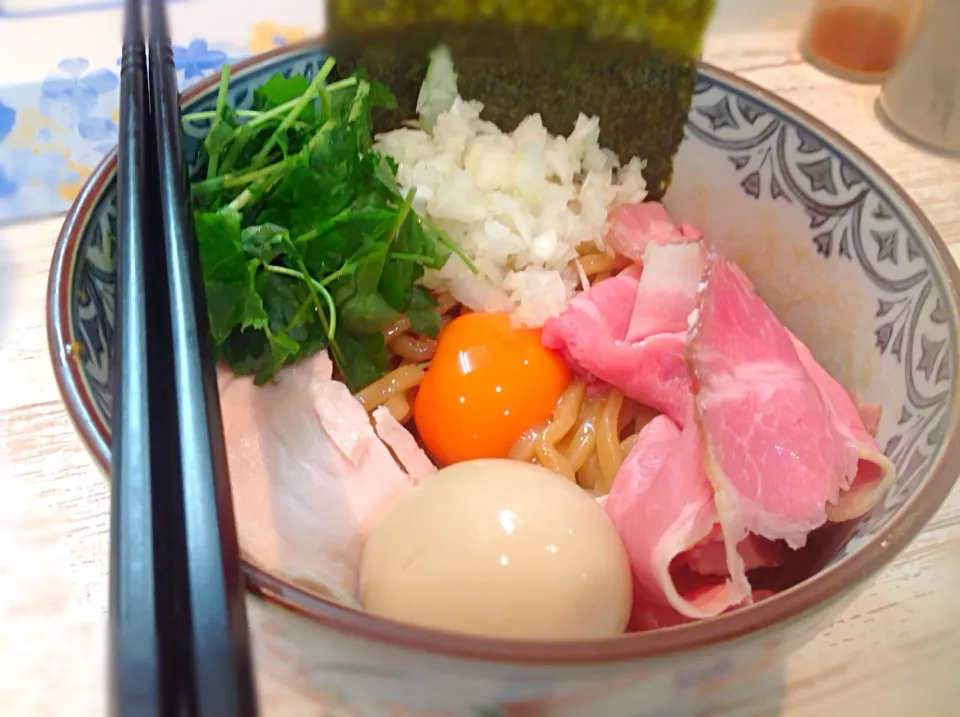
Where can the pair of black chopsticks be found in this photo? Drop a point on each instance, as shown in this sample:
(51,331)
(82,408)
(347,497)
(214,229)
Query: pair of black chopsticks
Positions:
(179,639)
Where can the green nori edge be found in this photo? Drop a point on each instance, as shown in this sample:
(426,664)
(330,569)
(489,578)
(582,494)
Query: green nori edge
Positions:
(640,87)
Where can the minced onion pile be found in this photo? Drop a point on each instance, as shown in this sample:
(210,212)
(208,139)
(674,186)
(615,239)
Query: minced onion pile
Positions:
(518,204)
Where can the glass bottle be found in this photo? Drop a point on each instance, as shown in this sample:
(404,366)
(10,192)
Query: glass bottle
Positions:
(859,40)
(921,97)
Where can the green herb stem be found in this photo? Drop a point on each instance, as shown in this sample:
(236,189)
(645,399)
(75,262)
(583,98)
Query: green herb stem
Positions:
(257,190)
(253,115)
(232,181)
(298,314)
(274,112)
(416,259)
(363,89)
(345,270)
(325,128)
(281,110)
(212,114)
(402,215)
(258,118)
(218,115)
(312,91)
(444,239)
(240,139)
(313,286)
(341,84)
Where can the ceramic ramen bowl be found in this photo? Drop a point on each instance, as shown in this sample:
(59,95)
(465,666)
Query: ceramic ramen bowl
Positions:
(843,257)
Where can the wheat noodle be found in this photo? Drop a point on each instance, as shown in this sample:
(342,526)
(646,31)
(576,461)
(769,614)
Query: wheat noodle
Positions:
(414,349)
(399,380)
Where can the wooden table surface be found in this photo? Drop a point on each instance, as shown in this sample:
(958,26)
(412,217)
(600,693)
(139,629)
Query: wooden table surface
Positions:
(895,652)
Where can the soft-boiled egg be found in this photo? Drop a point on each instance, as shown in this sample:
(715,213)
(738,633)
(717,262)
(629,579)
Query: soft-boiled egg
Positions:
(488,382)
(498,548)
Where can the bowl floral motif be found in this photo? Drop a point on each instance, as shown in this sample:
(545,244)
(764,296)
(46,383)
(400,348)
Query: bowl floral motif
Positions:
(836,249)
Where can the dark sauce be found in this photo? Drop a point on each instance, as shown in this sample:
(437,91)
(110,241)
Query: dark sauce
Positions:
(632,64)
(823,545)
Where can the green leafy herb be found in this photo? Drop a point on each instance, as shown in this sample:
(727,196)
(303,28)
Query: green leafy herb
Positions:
(306,241)
(423,314)
(229,277)
(279,90)
(366,355)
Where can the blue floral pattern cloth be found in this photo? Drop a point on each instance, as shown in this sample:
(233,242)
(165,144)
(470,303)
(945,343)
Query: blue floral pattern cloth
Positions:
(53,134)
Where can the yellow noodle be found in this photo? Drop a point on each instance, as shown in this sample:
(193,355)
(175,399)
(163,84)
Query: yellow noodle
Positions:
(549,457)
(599,262)
(566,412)
(627,444)
(413,348)
(609,451)
(591,475)
(399,380)
(563,419)
(602,276)
(583,439)
(397,328)
(399,407)
(525,448)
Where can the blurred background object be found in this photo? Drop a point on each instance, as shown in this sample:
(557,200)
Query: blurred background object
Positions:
(23,7)
(921,97)
(7,288)
(739,16)
(60,90)
(858,40)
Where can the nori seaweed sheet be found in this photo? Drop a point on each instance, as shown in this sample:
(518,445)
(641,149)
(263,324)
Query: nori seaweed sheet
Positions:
(632,64)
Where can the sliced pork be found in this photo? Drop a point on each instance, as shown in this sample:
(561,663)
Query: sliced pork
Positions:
(709,556)
(667,290)
(775,453)
(308,474)
(662,506)
(875,472)
(778,447)
(591,332)
(633,227)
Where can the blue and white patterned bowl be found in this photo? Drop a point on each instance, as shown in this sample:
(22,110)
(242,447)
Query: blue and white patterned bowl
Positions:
(836,248)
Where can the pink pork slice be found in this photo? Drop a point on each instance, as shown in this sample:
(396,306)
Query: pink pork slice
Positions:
(709,556)
(775,452)
(875,472)
(633,227)
(667,290)
(591,332)
(662,505)
(666,295)
(308,475)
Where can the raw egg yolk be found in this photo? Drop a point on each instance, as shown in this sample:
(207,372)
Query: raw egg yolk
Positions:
(488,382)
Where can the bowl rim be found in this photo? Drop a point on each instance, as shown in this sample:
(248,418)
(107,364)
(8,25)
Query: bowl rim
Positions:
(827,586)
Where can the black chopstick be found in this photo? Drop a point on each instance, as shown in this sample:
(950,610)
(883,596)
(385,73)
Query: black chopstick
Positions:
(219,641)
(174,544)
(135,661)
